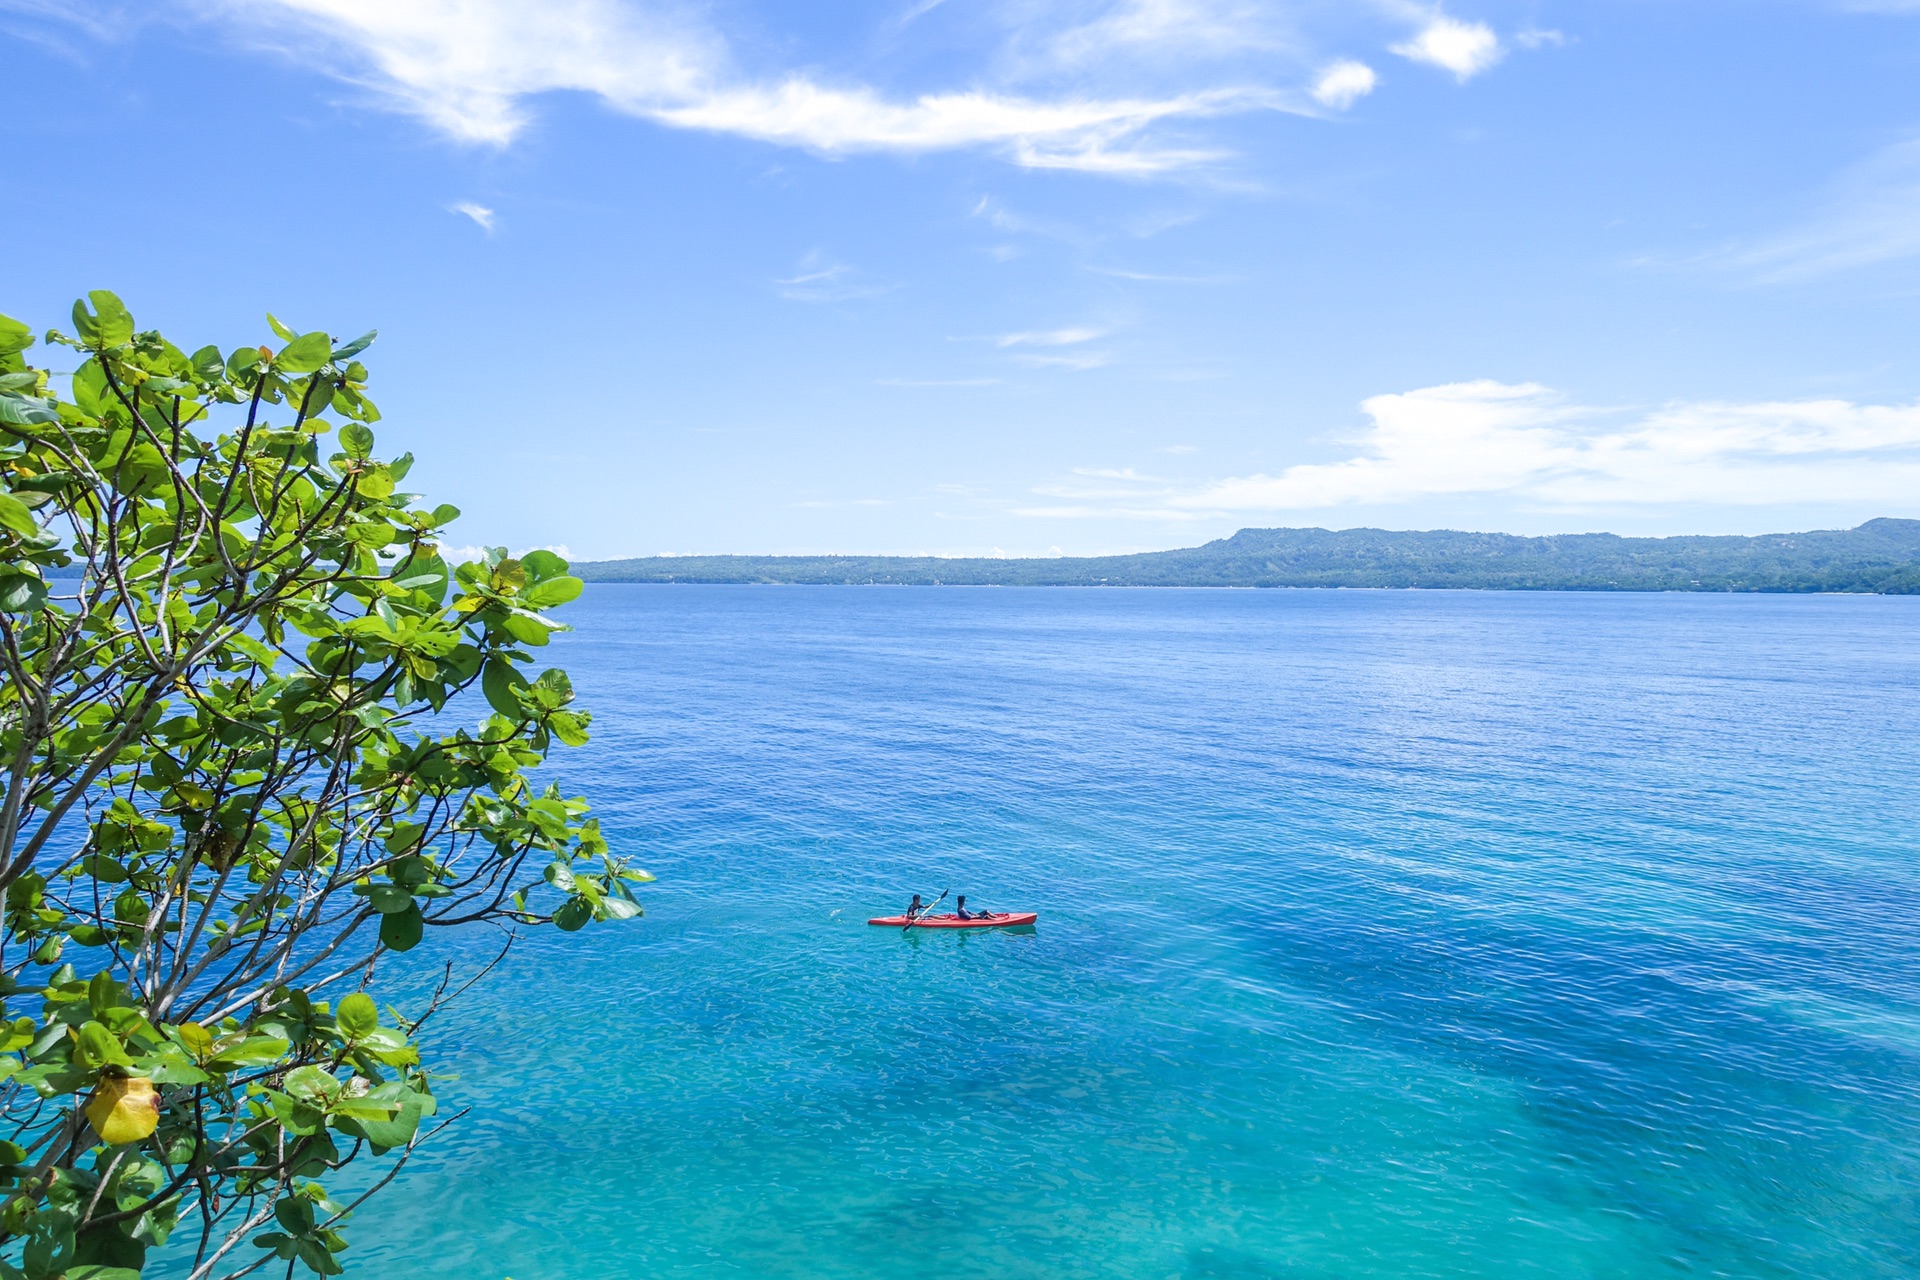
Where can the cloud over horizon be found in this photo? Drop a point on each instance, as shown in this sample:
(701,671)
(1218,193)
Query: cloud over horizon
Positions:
(1527,443)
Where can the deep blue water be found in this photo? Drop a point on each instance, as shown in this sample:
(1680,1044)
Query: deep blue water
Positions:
(1383,934)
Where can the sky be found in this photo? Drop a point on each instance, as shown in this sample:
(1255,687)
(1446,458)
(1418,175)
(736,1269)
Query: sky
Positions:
(1023,277)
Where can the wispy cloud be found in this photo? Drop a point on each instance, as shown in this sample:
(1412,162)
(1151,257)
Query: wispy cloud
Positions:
(1154,277)
(1464,48)
(1869,215)
(1064,92)
(470,68)
(1158,30)
(1080,361)
(1093,135)
(820,279)
(478,212)
(914,12)
(1049,337)
(1048,342)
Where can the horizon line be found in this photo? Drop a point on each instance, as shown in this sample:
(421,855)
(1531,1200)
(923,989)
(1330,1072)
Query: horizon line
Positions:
(1113,555)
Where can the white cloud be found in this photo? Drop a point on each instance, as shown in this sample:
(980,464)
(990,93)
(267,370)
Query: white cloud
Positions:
(471,67)
(1343,84)
(1049,338)
(1098,135)
(466,66)
(1098,86)
(1536,38)
(461,555)
(478,212)
(1526,441)
(1528,447)
(1464,48)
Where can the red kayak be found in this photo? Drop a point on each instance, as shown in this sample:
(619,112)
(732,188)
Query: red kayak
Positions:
(993,920)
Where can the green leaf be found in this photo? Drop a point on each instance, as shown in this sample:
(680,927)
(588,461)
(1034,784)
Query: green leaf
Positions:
(542,565)
(21,592)
(568,726)
(174,1070)
(295,1214)
(254,1051)
(15,517)
(25,411)
(529,629)
(357,1015)
(394,1132)
(401,931)
(405,837)
(498,682)
(318,1260)
(376,482)
(97,1047)
(304,354)
(109,324)
(296,1116)
(389,898)
(355,440)
(14,336)
(92,1272)
(354,348)
(195,1038)
(553,689)
(554,591)
(311,1084)
(280,330)
(573,914)
(104,869)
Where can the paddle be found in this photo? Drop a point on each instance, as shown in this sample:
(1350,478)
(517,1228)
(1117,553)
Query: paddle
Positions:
(925,911)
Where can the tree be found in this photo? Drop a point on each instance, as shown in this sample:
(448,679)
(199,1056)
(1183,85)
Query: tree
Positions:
(233,656)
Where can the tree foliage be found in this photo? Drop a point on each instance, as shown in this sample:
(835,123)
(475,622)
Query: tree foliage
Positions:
(228,639)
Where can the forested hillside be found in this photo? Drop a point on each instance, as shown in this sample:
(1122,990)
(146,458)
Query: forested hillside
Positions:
(1879,556)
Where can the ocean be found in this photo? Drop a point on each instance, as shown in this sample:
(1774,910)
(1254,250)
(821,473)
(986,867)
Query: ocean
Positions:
(1382,934)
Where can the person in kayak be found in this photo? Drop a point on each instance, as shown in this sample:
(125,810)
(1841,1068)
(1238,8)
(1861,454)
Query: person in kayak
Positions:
(960,910)
(915,909)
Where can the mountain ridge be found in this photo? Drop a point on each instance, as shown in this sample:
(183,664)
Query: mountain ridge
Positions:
(1879,556)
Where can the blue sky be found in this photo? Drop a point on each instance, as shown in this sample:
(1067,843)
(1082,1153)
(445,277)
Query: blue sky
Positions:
(1025,276)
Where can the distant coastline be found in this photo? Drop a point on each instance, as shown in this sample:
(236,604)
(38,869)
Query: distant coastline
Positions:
(1879,557)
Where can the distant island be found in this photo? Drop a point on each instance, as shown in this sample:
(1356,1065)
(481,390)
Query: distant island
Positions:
(1880,556)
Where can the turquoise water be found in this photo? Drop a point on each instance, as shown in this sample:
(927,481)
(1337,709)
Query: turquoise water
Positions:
(1382,935)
